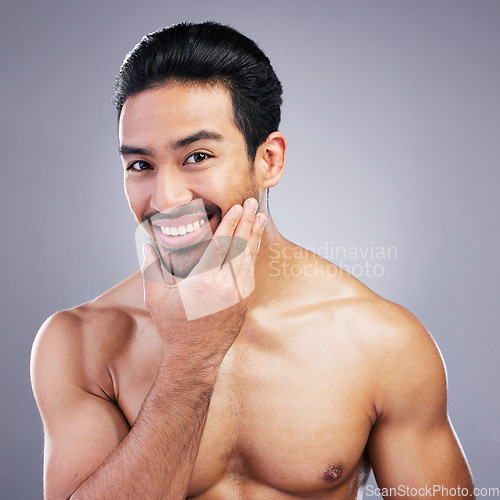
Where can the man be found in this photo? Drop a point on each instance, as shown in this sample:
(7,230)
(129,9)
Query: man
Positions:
(210,375)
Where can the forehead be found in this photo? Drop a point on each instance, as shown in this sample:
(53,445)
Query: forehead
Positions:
(175,111)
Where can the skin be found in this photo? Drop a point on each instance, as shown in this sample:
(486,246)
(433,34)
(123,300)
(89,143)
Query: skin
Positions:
(293,392)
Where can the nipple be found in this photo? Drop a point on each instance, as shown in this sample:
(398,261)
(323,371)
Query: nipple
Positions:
(333,473)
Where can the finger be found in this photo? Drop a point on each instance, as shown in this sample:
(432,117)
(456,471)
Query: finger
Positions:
(216,252)
(242,232)
(256,234)
(242,269)
(243,265)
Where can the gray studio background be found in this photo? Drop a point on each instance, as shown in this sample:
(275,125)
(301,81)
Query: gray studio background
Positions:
(391,109)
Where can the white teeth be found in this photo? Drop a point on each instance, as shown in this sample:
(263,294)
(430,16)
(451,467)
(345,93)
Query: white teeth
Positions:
(181,230)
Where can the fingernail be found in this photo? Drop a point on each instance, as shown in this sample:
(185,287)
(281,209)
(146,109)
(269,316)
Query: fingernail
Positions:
(252,204)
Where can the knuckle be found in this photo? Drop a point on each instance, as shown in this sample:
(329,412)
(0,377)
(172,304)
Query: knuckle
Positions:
(240,244)
(222,244)
(249,256)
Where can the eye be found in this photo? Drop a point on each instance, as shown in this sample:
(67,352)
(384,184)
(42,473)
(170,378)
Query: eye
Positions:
(139,166)
(197,157)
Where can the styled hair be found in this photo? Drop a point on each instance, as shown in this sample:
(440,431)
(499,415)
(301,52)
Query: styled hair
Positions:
(208,53)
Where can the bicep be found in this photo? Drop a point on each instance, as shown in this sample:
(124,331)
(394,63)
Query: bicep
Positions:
(81,429)
(412,444)
(78,440)
(417,455)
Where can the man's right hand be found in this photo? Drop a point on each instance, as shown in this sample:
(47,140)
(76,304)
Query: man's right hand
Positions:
(202,315)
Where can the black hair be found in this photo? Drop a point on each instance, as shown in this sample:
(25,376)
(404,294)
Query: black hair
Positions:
(208,53)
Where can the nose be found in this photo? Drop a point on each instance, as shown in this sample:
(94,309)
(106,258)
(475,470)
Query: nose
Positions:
(170,190)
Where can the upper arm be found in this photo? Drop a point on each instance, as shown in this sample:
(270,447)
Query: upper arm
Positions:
(81,428)
(412,444)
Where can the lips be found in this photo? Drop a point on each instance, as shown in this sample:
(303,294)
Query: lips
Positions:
(182,231)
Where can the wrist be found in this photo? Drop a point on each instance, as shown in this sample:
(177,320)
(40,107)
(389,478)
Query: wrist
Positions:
(189,368)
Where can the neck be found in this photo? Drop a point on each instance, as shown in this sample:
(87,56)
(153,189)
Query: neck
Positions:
(271,249)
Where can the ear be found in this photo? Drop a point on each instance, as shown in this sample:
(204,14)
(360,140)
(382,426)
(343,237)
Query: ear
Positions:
(270,160)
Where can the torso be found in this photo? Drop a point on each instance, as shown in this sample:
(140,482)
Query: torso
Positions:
(292,408)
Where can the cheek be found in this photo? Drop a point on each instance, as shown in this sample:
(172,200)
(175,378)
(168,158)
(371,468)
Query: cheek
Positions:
(136,196)
(226,183)
(213,188)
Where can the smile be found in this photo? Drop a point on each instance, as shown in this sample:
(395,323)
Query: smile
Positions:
(181,230)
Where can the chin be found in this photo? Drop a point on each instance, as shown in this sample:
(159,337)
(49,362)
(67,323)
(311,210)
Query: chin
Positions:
(181,262)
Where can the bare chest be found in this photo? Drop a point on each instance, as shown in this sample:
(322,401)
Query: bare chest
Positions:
(289,421)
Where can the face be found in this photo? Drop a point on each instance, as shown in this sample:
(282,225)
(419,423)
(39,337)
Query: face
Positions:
(185,164)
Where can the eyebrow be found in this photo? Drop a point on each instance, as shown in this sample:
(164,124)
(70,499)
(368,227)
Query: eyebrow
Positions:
(126,150)
(198,136)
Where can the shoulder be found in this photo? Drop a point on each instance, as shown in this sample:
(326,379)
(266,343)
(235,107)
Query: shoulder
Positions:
(394,347)
(81,342)
(317,288)
(387,345)
(382,326)
(81,326)
(113,310)
(400,353)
